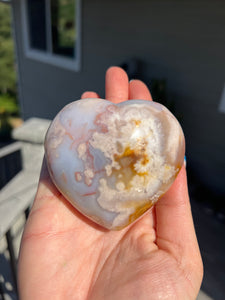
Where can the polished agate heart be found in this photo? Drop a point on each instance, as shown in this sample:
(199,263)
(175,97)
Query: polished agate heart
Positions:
(112,162)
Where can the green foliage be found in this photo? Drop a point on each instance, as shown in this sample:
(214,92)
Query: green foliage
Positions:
(8,105)
(66,26)
(7,69)
(63,25)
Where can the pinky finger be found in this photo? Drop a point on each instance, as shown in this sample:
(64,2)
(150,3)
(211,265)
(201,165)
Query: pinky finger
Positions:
(89,95)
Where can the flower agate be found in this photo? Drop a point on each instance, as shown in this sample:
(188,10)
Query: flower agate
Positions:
(112,162)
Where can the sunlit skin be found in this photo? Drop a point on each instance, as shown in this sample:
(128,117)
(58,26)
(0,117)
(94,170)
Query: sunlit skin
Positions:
(63,255)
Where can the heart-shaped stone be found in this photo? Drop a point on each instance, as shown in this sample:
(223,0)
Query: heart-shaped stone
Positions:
(112,162)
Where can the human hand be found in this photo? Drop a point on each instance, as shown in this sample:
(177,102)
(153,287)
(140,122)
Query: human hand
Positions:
(64,255)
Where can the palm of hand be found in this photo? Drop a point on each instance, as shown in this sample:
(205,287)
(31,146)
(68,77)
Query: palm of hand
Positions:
(65,256)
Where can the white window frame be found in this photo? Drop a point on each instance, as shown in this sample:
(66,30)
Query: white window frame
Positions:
(48,56)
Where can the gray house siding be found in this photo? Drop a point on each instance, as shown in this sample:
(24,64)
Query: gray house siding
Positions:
(181,41)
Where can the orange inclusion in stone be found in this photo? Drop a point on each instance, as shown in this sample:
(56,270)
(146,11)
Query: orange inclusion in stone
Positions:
(139,211)
(127,161)
(137,122)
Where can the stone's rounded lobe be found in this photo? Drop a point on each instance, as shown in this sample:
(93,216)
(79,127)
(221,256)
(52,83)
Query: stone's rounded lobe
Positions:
(114,161)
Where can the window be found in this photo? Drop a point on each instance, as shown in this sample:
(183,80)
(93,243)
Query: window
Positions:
(52,31)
